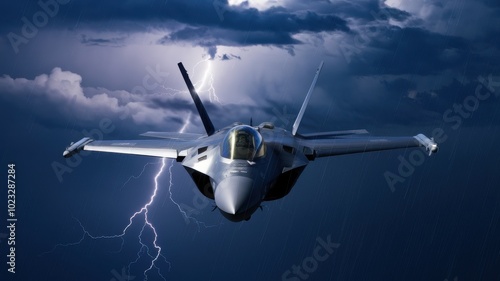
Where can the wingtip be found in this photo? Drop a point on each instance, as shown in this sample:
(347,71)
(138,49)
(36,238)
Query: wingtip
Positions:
(430,145)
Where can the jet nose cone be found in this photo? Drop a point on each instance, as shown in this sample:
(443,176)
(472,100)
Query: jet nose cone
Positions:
(233,194)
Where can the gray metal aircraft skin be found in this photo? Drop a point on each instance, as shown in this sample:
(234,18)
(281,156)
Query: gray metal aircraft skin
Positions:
(240,166)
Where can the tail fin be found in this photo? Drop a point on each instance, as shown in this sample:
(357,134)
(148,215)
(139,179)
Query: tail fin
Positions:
(209,127)
(306,101)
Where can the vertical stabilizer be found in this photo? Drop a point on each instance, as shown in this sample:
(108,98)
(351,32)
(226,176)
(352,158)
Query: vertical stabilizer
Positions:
(306,101)
(209,127)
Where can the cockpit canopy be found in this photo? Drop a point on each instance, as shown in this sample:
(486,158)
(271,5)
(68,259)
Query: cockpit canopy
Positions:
(242,142)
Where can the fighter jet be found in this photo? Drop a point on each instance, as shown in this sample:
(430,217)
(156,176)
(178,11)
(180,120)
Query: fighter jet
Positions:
(240,166)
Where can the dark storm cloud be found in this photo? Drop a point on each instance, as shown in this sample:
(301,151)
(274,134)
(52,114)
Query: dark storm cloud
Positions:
(444,38)
(465,94)
(403,101)
(229,57)
(370,10)
(227,25)
(392,13)
(395,50)
(247,27)
(211,37)
(212,14)
(113,41)
(211,50)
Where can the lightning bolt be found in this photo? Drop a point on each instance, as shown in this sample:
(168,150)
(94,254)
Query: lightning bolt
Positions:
(144,211)
(207,82)
(204,85)
(147,222)
(137,177)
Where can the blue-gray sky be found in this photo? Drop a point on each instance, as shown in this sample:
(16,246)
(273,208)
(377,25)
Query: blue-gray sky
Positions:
(69,68)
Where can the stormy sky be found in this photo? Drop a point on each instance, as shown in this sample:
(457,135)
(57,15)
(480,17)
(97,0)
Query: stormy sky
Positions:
(73,68)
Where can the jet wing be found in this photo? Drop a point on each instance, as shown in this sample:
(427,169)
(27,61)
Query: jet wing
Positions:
(333,134)
(348,145)
(169,148)
(173,135)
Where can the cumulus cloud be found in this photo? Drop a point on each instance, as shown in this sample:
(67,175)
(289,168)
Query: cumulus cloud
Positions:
(61,93)
(59,97)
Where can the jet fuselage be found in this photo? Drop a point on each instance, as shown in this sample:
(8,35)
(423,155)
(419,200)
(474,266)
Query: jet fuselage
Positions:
(239,183)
